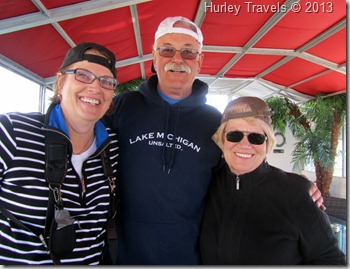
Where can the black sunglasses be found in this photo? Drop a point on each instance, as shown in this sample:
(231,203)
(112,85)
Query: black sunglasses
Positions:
(253,138)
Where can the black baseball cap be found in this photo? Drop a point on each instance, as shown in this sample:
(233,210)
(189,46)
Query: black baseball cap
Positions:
(77,54)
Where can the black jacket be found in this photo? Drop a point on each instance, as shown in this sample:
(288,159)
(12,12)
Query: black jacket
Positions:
(271,219)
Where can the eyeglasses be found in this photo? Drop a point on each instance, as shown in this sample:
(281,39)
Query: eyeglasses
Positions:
(253,138)
(186,53)
(87,77)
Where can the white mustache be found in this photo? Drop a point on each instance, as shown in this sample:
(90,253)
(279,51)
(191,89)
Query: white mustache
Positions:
(174,67)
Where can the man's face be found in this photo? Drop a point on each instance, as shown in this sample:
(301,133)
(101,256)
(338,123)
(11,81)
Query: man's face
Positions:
(175,74)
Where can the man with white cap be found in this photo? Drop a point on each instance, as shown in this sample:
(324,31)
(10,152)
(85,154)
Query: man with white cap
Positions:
(166,153)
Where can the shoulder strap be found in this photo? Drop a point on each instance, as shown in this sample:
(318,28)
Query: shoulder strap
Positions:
(56,163)
(107,252)
(56,159)
(108,171)
(56,152)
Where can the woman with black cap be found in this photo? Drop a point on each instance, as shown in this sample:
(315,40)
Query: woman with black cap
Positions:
(57,170)
(257,214)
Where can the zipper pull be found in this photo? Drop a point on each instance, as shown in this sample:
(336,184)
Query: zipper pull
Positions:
(82,181)
(237,183)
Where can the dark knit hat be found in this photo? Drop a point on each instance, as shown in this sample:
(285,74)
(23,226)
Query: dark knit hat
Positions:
(77,54)
(247,106)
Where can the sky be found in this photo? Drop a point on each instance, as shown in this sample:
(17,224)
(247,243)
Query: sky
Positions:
(17,93)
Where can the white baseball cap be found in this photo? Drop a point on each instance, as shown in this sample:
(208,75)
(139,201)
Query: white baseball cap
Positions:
(167,26)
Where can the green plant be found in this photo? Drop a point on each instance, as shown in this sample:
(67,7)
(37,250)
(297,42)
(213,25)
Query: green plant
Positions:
(128,86)
(316,125)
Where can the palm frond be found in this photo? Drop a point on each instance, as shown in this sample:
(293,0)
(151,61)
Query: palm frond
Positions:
(128,86)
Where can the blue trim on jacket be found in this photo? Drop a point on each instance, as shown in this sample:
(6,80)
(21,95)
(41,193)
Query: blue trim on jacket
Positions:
(57,120)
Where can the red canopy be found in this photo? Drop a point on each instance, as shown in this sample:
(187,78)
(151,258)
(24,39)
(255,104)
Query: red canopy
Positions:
(261,48)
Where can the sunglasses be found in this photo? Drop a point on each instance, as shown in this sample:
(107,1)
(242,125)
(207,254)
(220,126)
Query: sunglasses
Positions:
(186,53)
(253,138)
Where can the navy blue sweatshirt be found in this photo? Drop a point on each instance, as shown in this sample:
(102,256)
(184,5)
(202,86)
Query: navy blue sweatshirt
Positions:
(165,167)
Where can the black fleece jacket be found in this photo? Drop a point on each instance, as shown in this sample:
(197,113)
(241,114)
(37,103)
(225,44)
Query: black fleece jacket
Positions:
(270,220)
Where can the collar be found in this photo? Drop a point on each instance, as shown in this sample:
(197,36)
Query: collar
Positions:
(252,178)
(169,99)
(56,120)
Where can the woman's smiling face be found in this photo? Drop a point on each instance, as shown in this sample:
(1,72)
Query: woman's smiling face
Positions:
(243,157)
(83,102)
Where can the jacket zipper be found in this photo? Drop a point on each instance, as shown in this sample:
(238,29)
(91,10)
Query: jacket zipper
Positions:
(237,182)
